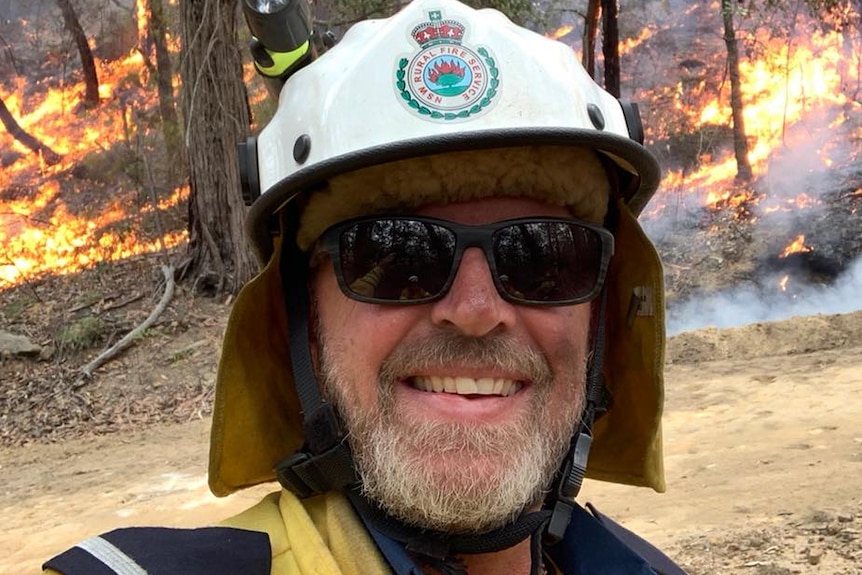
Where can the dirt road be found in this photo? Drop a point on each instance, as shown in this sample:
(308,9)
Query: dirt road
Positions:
(763,461)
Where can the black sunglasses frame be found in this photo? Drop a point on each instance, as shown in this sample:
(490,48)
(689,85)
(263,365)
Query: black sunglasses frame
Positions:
(466,236)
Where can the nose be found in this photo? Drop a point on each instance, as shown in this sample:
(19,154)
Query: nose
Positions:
(473,304)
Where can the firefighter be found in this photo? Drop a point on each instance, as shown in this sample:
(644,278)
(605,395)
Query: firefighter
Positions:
(458,319)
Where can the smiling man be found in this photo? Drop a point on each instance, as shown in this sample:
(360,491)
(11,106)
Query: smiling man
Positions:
(458,318)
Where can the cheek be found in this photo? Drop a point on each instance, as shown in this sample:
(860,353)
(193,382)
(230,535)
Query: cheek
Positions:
(358,336)
(563,336)
(562,333)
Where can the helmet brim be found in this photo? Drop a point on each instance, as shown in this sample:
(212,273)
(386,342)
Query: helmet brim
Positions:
(638,169)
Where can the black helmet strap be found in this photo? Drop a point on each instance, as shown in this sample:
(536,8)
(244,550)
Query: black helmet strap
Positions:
(561,500)
(324,463)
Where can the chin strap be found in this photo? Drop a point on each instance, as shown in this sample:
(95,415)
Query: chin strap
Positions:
(562,498)
(324,462)
(442,546)
(441,550)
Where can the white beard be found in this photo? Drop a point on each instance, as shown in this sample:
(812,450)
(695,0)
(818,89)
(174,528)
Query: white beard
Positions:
(457,477)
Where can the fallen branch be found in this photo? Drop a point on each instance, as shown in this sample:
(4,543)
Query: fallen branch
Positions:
(131,299)
(126,341)
(48,155)
(89,304)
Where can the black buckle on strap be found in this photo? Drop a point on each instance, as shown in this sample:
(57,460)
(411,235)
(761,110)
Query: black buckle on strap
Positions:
(569,486)
(304,474)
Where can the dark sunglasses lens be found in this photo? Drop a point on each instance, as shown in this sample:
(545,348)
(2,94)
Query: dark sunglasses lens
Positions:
(396,260)
(548,261)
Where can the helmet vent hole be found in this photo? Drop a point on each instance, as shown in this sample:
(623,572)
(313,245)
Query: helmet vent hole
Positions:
(596,116)
(301,148)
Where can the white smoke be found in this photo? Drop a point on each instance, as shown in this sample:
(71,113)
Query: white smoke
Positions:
(746,304)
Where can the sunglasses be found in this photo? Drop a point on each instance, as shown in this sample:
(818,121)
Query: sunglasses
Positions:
(406,260)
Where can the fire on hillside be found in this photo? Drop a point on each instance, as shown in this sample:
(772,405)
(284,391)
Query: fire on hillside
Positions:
(803,120)
(46,227)
(795,222)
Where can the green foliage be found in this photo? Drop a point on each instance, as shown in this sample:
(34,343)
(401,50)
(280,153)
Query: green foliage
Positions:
(520,12)
(180,355)
(734,8)
(342,13)
(108,165)
(14,309)
(686,150)
(152,332)
(83,333)
(830,14)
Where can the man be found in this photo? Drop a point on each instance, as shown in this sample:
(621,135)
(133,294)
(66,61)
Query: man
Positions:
(457,308)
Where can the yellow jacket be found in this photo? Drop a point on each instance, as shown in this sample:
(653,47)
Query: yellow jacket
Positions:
(323,537)
(320,535)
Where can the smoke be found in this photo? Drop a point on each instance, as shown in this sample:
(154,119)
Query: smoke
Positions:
(747,304)
(800,195)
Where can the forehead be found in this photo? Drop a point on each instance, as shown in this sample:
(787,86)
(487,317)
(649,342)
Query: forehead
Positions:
(493,209)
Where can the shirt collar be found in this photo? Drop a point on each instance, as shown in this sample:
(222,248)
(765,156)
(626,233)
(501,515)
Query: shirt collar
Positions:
(587,547)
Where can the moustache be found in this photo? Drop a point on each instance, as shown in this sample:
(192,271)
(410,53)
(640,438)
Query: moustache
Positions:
(493,352)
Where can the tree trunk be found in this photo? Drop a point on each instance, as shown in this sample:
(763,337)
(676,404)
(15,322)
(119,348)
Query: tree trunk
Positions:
(611,45)
(216,119)
(851,80)
(91,79)
(10,54)
(50,156)
(164,76)
(740,140)
(591,31)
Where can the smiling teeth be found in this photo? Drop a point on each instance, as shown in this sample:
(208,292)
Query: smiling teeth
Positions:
(467,385)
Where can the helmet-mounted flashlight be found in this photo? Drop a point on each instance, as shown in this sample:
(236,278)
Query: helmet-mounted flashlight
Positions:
(281,31)
(280,25)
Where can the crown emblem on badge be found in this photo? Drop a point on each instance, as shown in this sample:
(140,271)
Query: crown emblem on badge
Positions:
(437,30)
(447,79)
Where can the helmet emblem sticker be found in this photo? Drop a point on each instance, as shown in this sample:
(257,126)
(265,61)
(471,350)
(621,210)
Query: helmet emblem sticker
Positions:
(446,80)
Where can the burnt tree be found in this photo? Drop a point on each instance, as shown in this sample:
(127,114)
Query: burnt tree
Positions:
(740,139)
(88,64)
(164,79)
(216,119)
(591,32)
(611,45)
(48,155)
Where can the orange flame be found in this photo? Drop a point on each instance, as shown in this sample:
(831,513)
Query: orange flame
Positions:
(782,283)
(67,243)
(560,32)
(793,92)
(143,22)
(630,44)
(44,227)
(797,246)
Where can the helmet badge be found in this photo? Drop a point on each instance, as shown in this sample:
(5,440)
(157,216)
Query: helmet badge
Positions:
(446,80)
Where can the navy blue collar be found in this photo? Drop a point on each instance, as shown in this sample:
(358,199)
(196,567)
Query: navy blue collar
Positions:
(587,548)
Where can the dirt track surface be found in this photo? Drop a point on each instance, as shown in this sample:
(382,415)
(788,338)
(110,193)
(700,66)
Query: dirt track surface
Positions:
(763,452)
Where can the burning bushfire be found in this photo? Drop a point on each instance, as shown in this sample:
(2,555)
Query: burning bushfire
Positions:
(794,96)
(42,230)
(794,92)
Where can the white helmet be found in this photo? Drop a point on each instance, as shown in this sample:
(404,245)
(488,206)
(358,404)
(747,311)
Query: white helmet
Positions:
(436,77)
